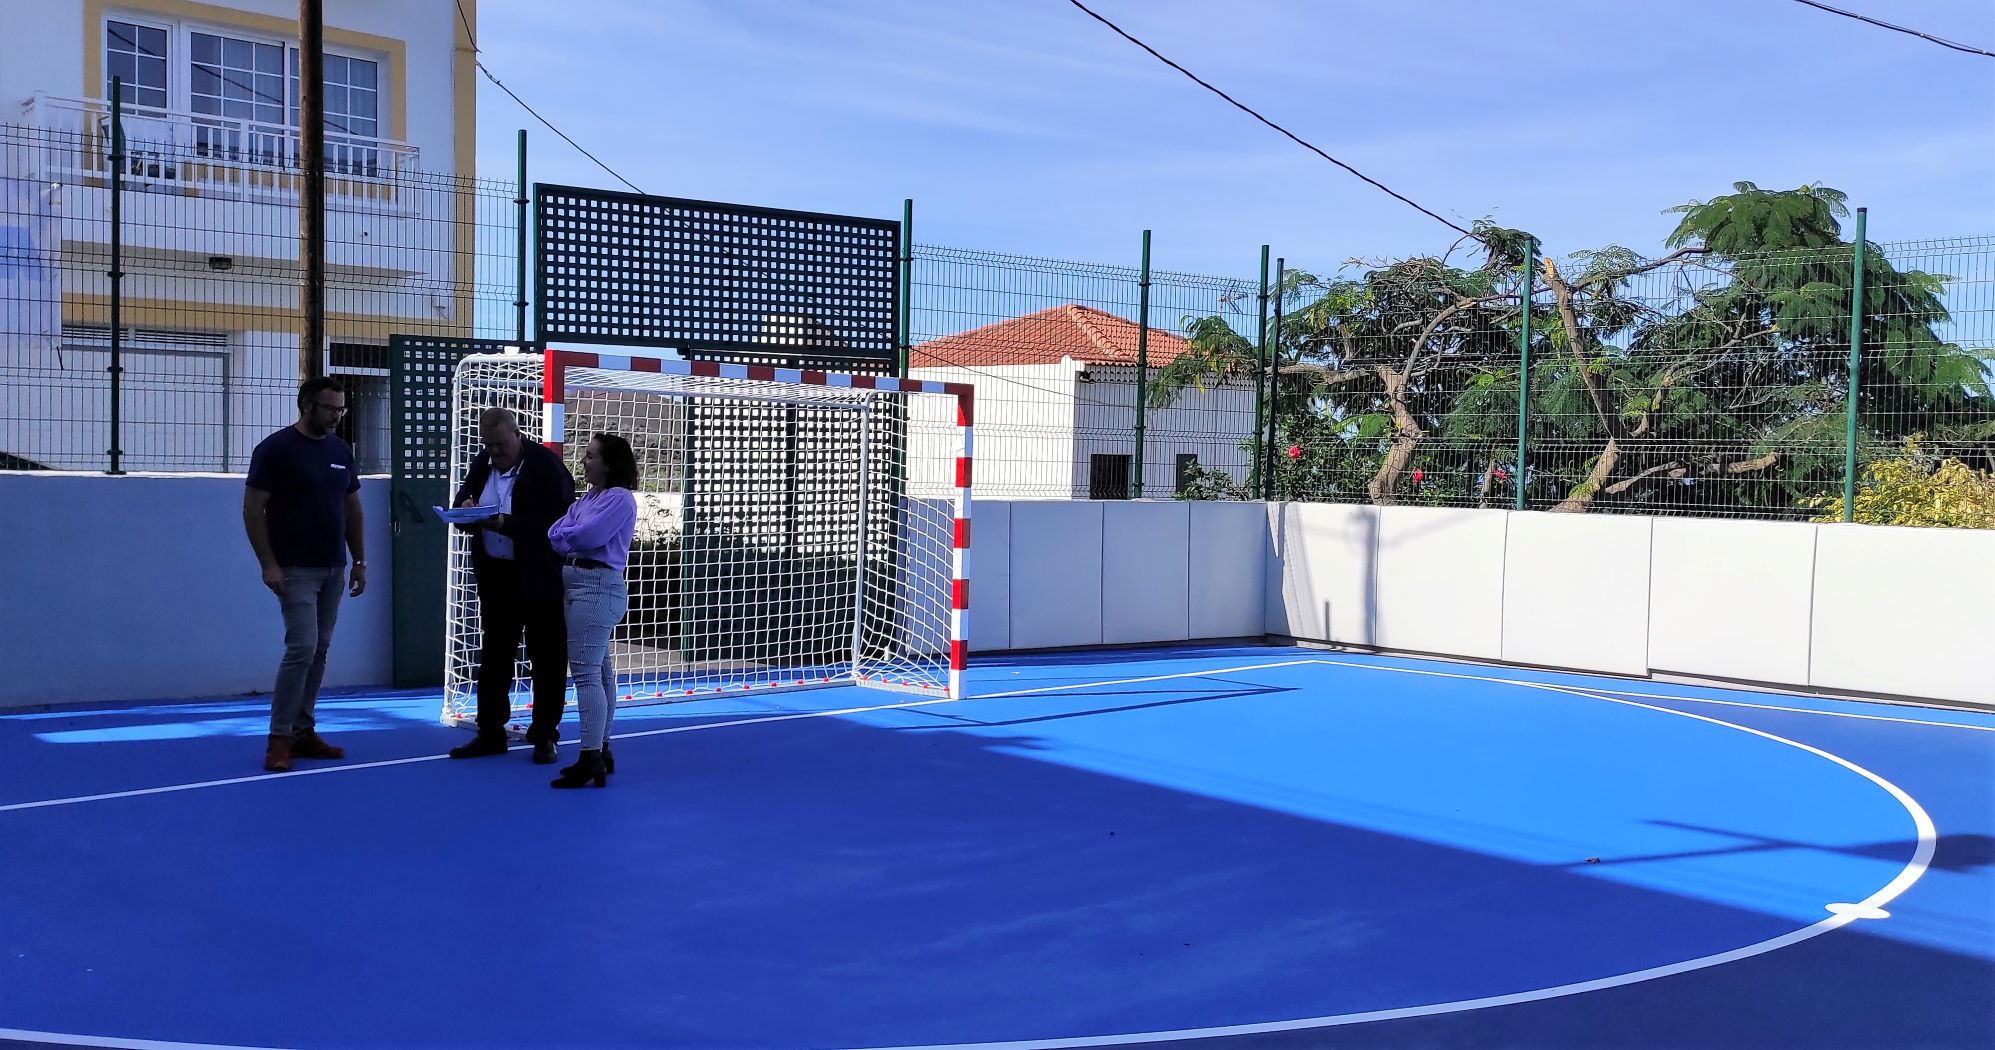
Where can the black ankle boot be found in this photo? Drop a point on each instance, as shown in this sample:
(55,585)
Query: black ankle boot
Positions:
(589,768)
(609,763)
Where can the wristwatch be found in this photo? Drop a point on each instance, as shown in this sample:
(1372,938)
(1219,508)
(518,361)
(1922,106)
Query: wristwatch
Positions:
(360,563)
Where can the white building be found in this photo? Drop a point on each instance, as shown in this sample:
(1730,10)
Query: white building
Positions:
(210,300)
(1056,407)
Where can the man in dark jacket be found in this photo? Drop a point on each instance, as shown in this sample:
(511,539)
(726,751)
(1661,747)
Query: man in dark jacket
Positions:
(519,582)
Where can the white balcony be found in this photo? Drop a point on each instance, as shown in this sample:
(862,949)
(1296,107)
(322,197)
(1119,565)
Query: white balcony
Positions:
(214,157)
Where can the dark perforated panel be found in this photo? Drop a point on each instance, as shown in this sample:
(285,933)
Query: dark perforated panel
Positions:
(721,279)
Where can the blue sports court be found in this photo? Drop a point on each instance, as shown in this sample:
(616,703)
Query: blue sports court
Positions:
(1220,847)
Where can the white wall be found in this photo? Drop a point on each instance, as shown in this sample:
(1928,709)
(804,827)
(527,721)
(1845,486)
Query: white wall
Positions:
(1849,608)
(1907,611)
(1024,430)
(143,587)
(1576,591)
(1732,599)
(1120,572)
(46,39)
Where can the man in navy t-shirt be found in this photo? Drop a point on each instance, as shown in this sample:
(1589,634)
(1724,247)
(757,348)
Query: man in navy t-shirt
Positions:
(301,508)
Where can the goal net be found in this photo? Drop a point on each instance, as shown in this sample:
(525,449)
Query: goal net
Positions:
(795,529)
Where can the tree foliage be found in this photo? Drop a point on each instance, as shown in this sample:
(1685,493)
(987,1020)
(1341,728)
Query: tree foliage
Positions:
(1712,378)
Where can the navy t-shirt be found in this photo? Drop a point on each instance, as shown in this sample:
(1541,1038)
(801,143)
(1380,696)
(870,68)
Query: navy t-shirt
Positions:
(308,480)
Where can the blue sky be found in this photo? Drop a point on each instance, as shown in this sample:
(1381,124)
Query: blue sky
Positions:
(1024,126)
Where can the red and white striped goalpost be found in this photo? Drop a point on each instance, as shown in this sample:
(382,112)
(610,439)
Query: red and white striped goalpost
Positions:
(554,396)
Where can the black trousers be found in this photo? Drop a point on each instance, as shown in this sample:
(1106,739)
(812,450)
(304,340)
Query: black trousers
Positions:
(506,614)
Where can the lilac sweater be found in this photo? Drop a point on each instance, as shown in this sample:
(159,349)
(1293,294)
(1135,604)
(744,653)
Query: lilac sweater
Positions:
(598,525)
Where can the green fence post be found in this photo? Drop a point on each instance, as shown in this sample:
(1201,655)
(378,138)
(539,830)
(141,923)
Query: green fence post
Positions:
(1524,367)
(1274,388)
(1142,366)
(1854,399)
(519,279)
(117,369)
(907,285)
(1260,379)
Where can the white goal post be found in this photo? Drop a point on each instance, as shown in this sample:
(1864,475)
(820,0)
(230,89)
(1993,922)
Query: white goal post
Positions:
(796,529)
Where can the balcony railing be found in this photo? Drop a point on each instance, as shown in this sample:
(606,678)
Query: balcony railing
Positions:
(213,156)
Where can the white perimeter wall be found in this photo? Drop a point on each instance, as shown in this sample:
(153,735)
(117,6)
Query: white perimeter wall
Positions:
(144,587)
(1900,612)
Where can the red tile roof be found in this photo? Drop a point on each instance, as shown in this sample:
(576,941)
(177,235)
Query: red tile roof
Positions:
(1082,333)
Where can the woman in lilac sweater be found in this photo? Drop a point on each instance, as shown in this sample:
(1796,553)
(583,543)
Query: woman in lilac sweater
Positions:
(593,542)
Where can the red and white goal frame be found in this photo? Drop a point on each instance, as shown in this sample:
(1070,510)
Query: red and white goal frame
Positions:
(908,624)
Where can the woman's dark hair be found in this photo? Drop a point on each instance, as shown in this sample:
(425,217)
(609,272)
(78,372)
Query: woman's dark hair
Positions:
(619,462)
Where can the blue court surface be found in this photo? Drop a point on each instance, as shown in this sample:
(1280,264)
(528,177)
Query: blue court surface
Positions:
(1226,848)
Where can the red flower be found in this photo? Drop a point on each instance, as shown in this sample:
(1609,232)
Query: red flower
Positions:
(1419,476)
(1295,452)
(1501,474)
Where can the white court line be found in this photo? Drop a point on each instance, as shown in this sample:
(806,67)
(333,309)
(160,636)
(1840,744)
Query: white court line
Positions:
(1806,710)
(354,767)
(19,1036)
(1841,913)
(1591,689)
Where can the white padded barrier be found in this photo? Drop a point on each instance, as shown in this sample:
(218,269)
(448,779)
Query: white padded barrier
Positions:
(1552,618)
(1145,585)
(1440,581)
(1908,612)
(1731,599)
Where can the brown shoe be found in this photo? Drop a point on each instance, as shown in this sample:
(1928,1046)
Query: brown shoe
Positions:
(277,757)
(312,745)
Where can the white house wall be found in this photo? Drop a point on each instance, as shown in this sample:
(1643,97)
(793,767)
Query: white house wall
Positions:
(1024,430)
(1209,424)
(46,44)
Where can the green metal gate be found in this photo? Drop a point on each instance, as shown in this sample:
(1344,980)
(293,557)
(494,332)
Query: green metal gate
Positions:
(420,371)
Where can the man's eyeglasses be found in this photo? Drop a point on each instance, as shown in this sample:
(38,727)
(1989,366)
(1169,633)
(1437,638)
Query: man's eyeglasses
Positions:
(338,410)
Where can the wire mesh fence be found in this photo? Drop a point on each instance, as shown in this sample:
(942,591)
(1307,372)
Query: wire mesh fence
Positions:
(1703,382)
(207,288)
(1052,348)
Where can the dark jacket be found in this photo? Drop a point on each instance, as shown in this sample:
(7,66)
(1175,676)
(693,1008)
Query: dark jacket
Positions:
(541,495)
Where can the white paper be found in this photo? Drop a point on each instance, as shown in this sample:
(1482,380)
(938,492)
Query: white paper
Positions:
(466,515)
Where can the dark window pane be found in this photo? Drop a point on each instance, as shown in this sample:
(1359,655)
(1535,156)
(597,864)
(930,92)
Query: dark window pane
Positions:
(207,80)
(119,65)
(207,48)
(238,54)
(151,41)
(269,58)
(335,69)
(363,73)
(363,104)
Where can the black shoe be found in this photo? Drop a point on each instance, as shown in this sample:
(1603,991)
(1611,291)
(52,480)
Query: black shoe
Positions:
(544,753)
(609,762)
(589,768)
(480,746)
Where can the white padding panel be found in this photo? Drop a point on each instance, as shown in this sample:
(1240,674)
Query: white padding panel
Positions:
(990,576)
(1229,544)
(1145,590)
(1905,611)
(1601,626)
(1730,599)
(1321,572)
(1056,573)
(1440,581)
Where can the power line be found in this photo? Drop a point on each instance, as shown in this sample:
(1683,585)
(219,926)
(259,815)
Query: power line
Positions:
(1402,198)
(1965,48)
(496,82)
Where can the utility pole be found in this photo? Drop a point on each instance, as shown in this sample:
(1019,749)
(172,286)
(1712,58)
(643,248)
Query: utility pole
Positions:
(312,191)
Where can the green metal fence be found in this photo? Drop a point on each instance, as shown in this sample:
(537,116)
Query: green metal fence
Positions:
(1714,378)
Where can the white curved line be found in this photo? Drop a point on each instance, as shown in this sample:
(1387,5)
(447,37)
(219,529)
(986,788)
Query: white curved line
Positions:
(1911,873)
